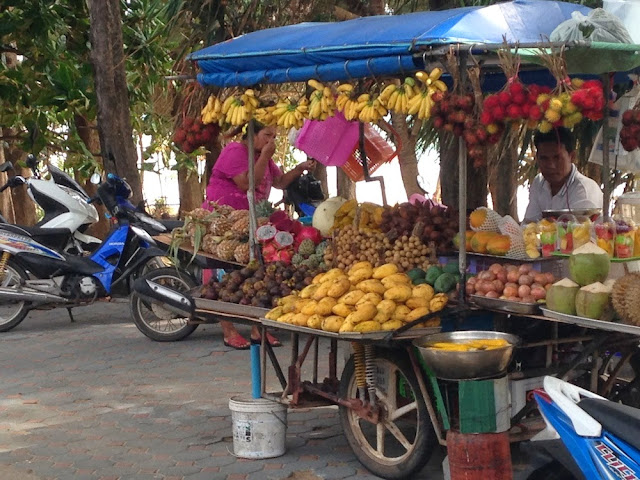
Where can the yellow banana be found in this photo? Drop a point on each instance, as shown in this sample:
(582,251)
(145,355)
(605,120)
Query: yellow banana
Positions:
(345,88)
(387,91)
(435,74)
(315,84)
(227,103)
(422,76)
(365,97)
(439,85)
(326,91)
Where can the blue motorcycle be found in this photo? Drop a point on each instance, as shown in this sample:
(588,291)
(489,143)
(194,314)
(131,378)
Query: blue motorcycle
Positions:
(34,276)
(588,436)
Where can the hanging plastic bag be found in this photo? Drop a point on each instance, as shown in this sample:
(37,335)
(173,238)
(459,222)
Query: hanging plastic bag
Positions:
(628,11)
(598,26)
(619,158)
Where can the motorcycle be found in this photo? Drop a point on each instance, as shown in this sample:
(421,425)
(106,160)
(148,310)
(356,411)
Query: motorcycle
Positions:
(34,276)
(588,436)
(68,211)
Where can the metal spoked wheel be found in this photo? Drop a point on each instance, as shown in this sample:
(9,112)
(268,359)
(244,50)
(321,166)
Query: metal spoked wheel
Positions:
(12,312)
(152,318)
(403,440)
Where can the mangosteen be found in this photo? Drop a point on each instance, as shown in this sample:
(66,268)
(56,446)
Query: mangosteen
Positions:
(255,302)
(225,296)
(287,274)
(244,301)
(259,285)
(246,272)
(274,291)
(308,281)
(285,290)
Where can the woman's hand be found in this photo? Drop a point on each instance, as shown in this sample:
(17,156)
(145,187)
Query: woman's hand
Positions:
(269,149)
(308,165)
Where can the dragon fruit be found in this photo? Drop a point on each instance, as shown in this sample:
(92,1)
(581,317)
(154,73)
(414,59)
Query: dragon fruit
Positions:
(277,216)
(283,240)
(265,233)
(310,233)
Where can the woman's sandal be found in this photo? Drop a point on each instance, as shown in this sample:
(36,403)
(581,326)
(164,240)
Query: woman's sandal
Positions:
(238,342)
(273,341)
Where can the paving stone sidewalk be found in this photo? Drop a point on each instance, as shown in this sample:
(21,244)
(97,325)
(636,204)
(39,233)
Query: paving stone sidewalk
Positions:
(97,400)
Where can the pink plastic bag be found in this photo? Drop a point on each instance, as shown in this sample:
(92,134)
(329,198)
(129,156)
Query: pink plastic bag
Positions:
(330,142)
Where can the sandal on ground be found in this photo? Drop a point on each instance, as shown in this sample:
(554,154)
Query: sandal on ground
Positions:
(273,341)
(238,342)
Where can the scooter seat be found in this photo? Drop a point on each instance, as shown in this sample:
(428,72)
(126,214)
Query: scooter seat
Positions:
(55,238)
(621,420)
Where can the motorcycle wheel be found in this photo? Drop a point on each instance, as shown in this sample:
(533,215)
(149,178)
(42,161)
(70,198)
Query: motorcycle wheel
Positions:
(12,312)
(402,443)
(155,321)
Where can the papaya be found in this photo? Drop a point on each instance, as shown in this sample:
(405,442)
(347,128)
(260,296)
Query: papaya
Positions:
(415,274)
(499,245)
(433,273)
(468,236)
(477,217)
(480,240)
(451,267)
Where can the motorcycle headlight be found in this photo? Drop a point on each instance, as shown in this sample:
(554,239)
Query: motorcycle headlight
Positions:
(156,225)
(143,235)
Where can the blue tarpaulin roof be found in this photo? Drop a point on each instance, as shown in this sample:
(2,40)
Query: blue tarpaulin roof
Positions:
(379,45)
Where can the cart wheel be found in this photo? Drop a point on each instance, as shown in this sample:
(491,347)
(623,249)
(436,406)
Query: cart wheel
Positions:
(155,321)
(403,441)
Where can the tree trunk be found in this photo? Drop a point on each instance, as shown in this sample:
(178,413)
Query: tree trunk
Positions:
(503,181)
(190,191)
(24,209)
(476,177)
(407,158)
(6,205)
(346,188)
(88,133)
(321,174)
(114,122)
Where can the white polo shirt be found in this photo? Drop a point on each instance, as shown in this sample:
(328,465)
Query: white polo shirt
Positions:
(578,192)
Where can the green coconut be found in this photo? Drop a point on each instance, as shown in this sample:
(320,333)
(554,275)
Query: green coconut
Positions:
(561,296)
(593,301)
(589,264)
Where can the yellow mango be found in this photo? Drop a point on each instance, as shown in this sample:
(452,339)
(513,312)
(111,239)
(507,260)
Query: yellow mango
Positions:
(385,270)
(274,313)
(332,323)
(300,319)
(387,306)
(359,265)
(438,302)
(400,313)
(360,275)
(289,307)
(372,298)
(332,275)
(325,305)
(342,309)
(308,291)
(315,321)
(300,304)
(391,325)
(371,286)
(317,279)
(321,291)
(352,297)
(368,326)
(391,280)
(423,291)
(417,302)
(346,327)
(382,317)
(288,299)
(399,293)
(363,313)
(416,314)
(309,308)
(339,287)
(286,318)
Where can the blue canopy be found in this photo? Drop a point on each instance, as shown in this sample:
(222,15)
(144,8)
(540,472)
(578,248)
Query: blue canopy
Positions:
(379,45)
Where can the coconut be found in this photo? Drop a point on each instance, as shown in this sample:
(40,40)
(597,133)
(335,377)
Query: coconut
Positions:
(324,214)
(561,296)
(589,264)
(593,300)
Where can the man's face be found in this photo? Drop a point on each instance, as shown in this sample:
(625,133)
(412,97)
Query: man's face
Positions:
(554,162)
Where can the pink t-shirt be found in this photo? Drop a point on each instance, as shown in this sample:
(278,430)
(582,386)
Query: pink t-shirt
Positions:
(234,160)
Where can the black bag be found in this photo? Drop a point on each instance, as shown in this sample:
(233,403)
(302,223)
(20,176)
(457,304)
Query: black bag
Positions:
(305,189)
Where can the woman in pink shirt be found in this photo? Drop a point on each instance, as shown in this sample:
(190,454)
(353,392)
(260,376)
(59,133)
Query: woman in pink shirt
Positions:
(229,183)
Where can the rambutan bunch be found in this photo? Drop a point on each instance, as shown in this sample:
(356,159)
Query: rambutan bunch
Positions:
(192,134)
(630,132)
(512,104)
(589,98)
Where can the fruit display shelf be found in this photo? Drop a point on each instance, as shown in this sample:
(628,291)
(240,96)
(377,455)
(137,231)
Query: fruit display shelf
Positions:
(507,306)
(207,260)
(613,260)
(590,323)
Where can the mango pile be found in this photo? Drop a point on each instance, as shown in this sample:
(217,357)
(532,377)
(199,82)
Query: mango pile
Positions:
(370,216)
(360,299)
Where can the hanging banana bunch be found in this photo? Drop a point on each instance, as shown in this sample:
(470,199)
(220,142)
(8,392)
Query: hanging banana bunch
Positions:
(265,116)
(321,101)
(290,113)
(396,96)
(347,102)
(212,111)
(238,109)
(371,109)
(422,103)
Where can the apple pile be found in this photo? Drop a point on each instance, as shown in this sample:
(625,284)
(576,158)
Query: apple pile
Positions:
(193,134)
(630,131)
(511,282)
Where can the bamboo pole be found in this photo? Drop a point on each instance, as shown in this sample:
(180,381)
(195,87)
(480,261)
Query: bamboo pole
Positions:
(251,193)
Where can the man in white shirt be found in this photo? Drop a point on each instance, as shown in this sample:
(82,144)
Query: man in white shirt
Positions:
(559,185)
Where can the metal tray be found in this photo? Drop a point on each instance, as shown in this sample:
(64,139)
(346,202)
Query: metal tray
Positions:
(352,336)
(587,212)
(590,323)
(504,258)
(505,305)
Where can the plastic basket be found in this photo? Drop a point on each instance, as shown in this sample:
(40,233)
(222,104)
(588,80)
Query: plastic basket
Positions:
(330,142)
(379,151)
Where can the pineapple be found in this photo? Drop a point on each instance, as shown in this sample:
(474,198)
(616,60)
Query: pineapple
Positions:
(241,253)
(210,244)
(226,249)
(238,214)
(220,225)
(240,227)
(222,210)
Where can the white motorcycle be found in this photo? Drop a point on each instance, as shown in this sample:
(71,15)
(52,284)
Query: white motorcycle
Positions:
(68,211)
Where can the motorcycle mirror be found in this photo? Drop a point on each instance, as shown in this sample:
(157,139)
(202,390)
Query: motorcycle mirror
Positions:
(32,162)
(6,166)
(95,178)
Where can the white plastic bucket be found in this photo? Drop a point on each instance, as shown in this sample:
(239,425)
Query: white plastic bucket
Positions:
(259,427)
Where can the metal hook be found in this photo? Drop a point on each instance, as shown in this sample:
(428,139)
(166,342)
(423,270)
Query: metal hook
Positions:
(373,75)
(286,75)
(315,70)
(402,72)
(346,70)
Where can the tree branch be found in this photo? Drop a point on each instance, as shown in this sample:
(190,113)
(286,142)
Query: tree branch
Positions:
(342,14)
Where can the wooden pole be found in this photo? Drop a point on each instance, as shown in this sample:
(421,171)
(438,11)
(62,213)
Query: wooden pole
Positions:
(251,193)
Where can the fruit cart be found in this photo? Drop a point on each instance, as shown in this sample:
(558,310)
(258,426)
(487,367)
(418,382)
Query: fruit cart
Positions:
(384,383)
